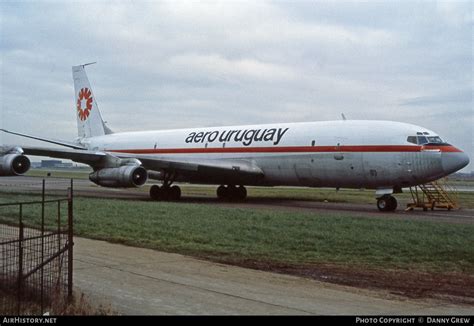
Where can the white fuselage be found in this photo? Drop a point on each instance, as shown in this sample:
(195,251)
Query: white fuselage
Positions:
(352,153)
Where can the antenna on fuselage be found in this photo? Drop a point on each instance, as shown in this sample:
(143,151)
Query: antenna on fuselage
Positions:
(88,64)
(343,117)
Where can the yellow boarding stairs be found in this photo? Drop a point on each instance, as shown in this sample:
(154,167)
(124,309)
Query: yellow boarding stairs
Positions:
(436,194)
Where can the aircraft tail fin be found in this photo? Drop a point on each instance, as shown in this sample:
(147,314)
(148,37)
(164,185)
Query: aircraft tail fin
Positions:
(89,119)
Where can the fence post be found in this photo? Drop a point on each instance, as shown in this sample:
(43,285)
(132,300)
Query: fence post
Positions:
(70,234)
(20,260)
(60,269)
(42,246)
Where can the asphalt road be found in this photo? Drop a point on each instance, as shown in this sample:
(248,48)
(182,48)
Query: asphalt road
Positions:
(147,282)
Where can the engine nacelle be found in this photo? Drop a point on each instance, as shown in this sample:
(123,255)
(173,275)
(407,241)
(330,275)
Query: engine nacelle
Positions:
(14,164)
(127,176)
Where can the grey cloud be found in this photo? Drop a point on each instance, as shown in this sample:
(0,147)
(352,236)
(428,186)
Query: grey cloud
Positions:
(236,62)
(460,97)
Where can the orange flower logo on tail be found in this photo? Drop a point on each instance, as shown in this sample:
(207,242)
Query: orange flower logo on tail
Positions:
(84,95)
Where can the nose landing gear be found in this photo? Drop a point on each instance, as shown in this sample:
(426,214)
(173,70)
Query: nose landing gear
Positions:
(386,203)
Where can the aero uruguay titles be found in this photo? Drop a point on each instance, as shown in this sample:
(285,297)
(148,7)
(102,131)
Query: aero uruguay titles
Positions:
(381,155)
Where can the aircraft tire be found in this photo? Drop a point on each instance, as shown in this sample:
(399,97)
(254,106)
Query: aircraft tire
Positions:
(382,204)
(386,203)
(241,193)
(231,192)
(156,193)
(392,204)
(174,193)
(222,192)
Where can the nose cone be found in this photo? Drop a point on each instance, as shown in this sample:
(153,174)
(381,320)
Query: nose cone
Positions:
(453,161)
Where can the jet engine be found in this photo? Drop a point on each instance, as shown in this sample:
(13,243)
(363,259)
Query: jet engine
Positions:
(14,164)
(127,176)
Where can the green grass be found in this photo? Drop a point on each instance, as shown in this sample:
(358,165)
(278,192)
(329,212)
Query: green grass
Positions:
(68,174)
(237,235)
(314,194)
(466,199)
(461,183)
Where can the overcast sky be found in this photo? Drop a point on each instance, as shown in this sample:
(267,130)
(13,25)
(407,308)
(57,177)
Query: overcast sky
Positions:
(176,64)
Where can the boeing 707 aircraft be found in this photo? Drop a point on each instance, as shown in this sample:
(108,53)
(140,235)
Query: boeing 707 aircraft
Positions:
(381,155)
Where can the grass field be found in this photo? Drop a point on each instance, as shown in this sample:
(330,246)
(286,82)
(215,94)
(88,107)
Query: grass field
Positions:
(236,235)
(466,199)
(68,174)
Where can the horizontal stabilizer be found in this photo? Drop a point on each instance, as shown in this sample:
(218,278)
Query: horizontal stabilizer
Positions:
(52,141)
(82,156)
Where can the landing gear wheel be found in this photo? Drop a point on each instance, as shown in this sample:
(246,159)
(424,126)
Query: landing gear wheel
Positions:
(386,203)
(156,193)
(174,193)
(392,204)
(222,192)
(382,204)
(240,193)
(231,192)
(165,193)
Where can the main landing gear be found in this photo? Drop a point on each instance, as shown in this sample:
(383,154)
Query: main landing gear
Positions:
(166,191)
(172,193)
(386,203)
(231,192)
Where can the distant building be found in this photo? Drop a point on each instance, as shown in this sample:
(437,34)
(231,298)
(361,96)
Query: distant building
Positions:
(55,164)
(462,176)
(50,163)
(64,165)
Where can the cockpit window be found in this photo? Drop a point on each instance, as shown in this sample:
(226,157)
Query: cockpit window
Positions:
(412,139)
(423,140)
(435,140)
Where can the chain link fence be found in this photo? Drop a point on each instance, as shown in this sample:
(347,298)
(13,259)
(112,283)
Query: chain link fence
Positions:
(36,251)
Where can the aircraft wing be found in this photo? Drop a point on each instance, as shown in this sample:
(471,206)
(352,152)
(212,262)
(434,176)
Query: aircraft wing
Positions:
(203,170)
(197,170)
(82,156)
(53,141)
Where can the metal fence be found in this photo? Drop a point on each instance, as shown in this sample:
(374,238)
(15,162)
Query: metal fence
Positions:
(36,253)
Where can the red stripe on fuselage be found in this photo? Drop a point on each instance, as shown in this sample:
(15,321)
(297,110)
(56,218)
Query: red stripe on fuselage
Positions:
(449,148)
(290,149)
